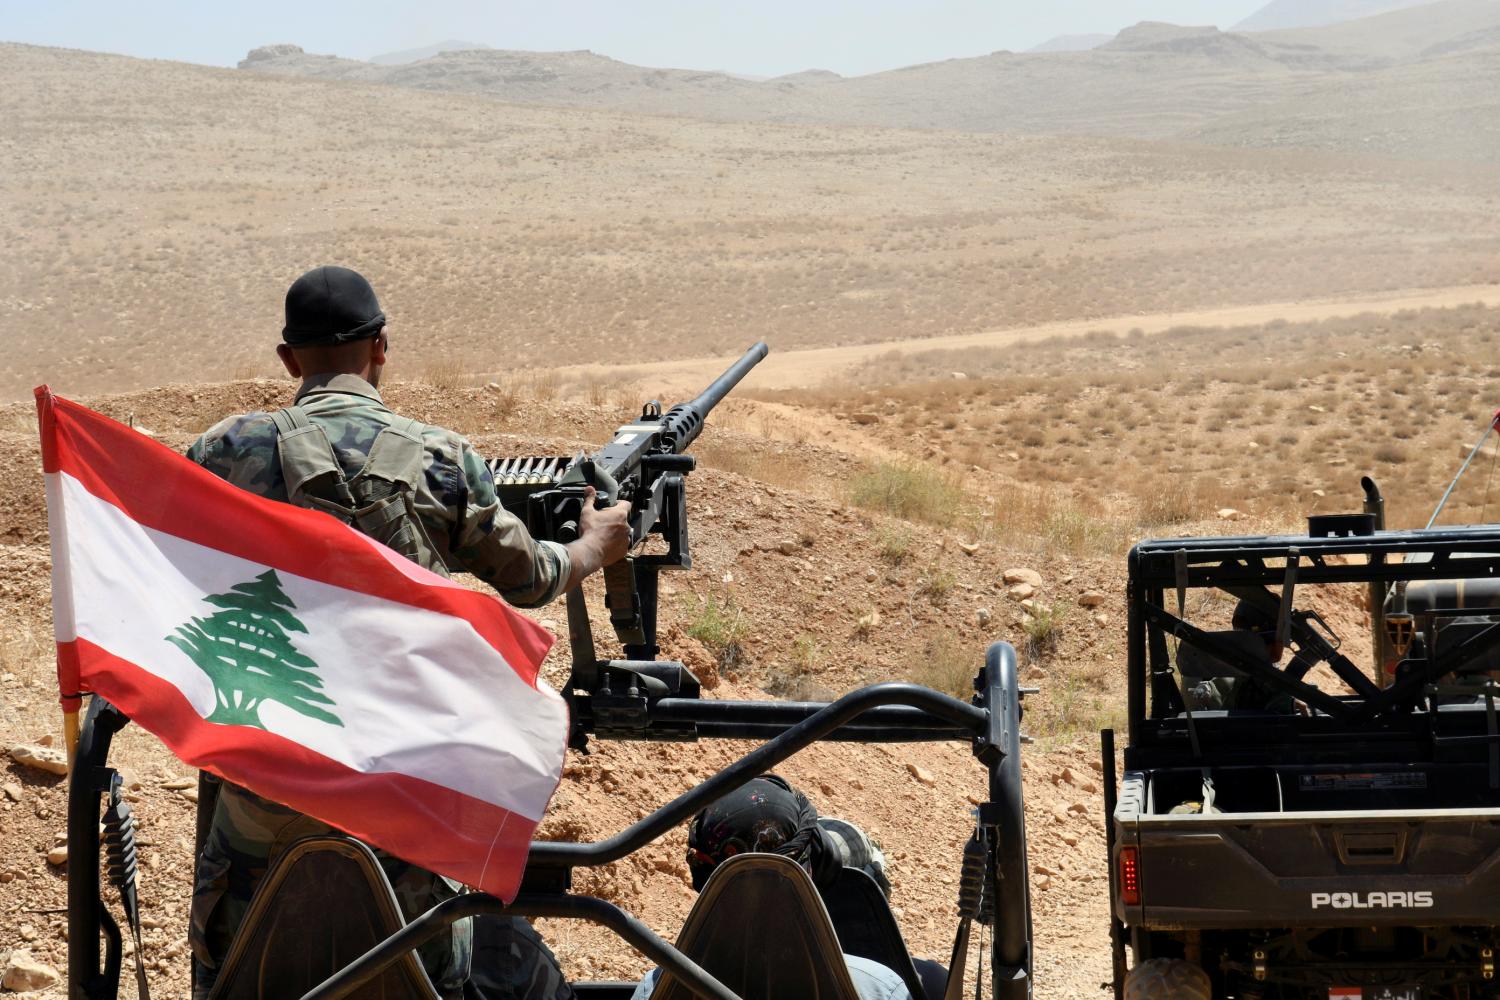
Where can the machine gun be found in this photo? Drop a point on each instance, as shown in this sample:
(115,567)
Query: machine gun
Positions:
(646,464)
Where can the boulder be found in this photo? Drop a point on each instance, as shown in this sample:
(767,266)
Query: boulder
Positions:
(865,418)
(1090,599)
(270,53)
(24,974)
(40,758)
(1029,576)
(1021,592)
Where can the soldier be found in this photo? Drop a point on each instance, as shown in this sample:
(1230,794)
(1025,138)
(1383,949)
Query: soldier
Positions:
(423,491)
(1259,629)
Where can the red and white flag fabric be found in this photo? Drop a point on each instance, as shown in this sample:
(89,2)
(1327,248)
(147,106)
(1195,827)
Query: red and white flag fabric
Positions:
(288,653)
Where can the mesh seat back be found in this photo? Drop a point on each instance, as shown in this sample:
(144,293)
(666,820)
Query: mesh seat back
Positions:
(866,927)
(1458,631)
(760,928)
(1201,664)
(323,904)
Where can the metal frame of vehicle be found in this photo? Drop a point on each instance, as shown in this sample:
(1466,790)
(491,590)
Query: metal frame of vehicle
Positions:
(884,713)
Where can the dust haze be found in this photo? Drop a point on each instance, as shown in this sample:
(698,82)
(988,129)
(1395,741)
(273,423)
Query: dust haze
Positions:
(1025,309)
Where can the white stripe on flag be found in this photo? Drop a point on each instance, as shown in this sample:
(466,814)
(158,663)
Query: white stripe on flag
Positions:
(63,628)
(419,692)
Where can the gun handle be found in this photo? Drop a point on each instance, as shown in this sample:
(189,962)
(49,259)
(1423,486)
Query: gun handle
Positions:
(624,602)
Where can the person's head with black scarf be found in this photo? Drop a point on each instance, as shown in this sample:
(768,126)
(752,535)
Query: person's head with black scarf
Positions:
(765,816)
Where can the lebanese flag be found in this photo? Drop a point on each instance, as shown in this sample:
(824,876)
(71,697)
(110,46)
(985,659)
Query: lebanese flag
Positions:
(288,653)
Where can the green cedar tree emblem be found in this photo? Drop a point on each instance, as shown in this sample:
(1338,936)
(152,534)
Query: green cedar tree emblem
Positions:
(244,650)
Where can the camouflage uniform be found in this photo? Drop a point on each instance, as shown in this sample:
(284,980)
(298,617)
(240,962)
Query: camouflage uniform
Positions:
(466,530)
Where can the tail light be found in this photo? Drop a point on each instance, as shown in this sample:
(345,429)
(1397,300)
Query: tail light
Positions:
(1129,861)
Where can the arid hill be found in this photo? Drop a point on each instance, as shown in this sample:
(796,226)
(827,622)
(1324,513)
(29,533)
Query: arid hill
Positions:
(1153,81)
(424,52)
(1312,13)
(142,243)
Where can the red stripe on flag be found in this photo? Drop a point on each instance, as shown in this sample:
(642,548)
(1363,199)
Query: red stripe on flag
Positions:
(163,490)
(69,681)
(45,402)
(467,839)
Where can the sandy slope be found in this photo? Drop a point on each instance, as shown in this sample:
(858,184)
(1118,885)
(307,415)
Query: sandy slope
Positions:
(807,368)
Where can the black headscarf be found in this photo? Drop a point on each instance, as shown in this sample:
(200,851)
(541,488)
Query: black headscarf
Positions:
(765,815)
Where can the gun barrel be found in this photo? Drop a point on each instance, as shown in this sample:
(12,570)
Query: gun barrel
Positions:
(684,421)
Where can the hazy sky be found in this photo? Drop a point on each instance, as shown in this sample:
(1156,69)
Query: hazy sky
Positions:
(766,37)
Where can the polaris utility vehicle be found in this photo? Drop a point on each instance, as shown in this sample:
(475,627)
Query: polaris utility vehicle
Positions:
(1310,800)
(324,922)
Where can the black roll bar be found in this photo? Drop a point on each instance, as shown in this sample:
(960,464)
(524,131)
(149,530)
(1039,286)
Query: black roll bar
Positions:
(421,930)
(964,719)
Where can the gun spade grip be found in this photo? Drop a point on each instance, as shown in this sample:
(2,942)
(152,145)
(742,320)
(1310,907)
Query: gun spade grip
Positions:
(623,602)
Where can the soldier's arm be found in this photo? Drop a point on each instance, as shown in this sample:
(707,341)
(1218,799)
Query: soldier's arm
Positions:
(242,450)
(495,546)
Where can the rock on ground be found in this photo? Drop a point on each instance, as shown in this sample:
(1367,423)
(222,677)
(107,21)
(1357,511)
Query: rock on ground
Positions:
(1030,576)
(40,758)
(24,974)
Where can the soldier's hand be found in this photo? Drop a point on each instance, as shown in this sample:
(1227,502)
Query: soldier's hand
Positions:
(607,529)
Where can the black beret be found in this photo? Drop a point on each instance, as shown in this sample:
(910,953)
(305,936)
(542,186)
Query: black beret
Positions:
(331,305)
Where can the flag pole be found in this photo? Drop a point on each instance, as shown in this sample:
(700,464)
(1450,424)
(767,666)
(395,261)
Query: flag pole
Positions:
(70,736)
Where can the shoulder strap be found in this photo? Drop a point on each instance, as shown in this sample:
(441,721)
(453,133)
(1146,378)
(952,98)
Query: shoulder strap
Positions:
(396,457)
(306,457)
(379,500)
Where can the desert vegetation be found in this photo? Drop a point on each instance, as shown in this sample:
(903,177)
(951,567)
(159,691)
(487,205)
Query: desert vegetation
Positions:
(1103,437)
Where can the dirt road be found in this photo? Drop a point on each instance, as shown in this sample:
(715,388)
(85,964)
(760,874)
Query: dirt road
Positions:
(802,369)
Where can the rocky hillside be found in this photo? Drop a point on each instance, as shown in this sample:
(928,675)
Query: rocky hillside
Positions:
(1152,81)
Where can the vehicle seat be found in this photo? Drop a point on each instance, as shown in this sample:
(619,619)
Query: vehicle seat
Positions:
(761,929)
(323,904)
(1459,631)
(866,927)
(1200,664)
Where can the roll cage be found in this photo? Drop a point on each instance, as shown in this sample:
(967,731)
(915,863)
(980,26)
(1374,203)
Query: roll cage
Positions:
(632,709)
(1387,707)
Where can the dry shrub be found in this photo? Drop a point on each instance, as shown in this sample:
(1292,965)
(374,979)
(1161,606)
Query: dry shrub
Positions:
(721,629)
(908,490)
(1043,628)
(1051,519)
(947,666)
(893,543)
(544,386)
(753,461)
(447,375)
